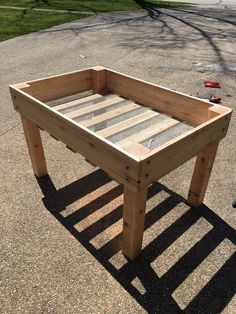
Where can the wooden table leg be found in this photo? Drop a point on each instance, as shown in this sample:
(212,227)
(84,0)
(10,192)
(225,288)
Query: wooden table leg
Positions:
(133,221)
(201,174)
(35,147)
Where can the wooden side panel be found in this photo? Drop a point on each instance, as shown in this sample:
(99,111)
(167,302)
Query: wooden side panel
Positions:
(34,143)
(180,106)
(22,86)
(174,153)
(122,166)
(133,221)
(60,86)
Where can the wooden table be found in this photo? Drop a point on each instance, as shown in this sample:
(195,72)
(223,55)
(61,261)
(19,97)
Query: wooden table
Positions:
(135,131)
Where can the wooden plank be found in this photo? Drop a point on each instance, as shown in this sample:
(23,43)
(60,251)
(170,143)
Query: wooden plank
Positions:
(120,165)
(60,86)
(133,221)
(138,150)
(148,133)
(22,86)
(91,109)
(35,147)
(174,153)
(127,124)
(77,102)
(216,110)
(180,106)
(110,115)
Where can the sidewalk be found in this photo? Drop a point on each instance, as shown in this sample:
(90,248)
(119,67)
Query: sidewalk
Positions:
(45,10)
(217,4)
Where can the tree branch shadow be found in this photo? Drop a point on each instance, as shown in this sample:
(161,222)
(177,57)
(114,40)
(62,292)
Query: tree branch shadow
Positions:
(93,223)
(163,29)
(56,6)
(42,3)
(155,14)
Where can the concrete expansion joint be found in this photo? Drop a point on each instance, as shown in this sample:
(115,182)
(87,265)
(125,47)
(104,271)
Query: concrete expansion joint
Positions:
(10,129)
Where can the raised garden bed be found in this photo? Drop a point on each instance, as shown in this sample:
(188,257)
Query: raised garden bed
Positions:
(135,131)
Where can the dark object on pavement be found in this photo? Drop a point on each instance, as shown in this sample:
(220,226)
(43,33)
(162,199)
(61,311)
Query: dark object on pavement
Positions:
(234,203)
(215,99)
(212,84)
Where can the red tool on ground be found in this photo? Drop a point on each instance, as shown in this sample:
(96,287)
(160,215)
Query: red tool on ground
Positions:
(212,84)
(213,98)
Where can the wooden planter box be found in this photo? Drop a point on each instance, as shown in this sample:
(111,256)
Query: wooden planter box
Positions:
(135,131)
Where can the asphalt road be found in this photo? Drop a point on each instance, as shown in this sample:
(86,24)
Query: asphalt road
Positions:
(59,243)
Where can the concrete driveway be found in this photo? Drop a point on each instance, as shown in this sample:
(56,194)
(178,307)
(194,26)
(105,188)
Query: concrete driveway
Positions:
(217,4)
(60,235)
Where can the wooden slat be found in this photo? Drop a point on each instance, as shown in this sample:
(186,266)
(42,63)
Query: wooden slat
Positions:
(91,109)
(175,104)
(147,133)
(127,124)
(59,86)
(110,115)
(76,102)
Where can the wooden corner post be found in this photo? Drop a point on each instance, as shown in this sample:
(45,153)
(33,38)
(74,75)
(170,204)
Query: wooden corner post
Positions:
(98,86)
(35,147)
(133,221)
(203,166)
(98,79)
(201,174)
